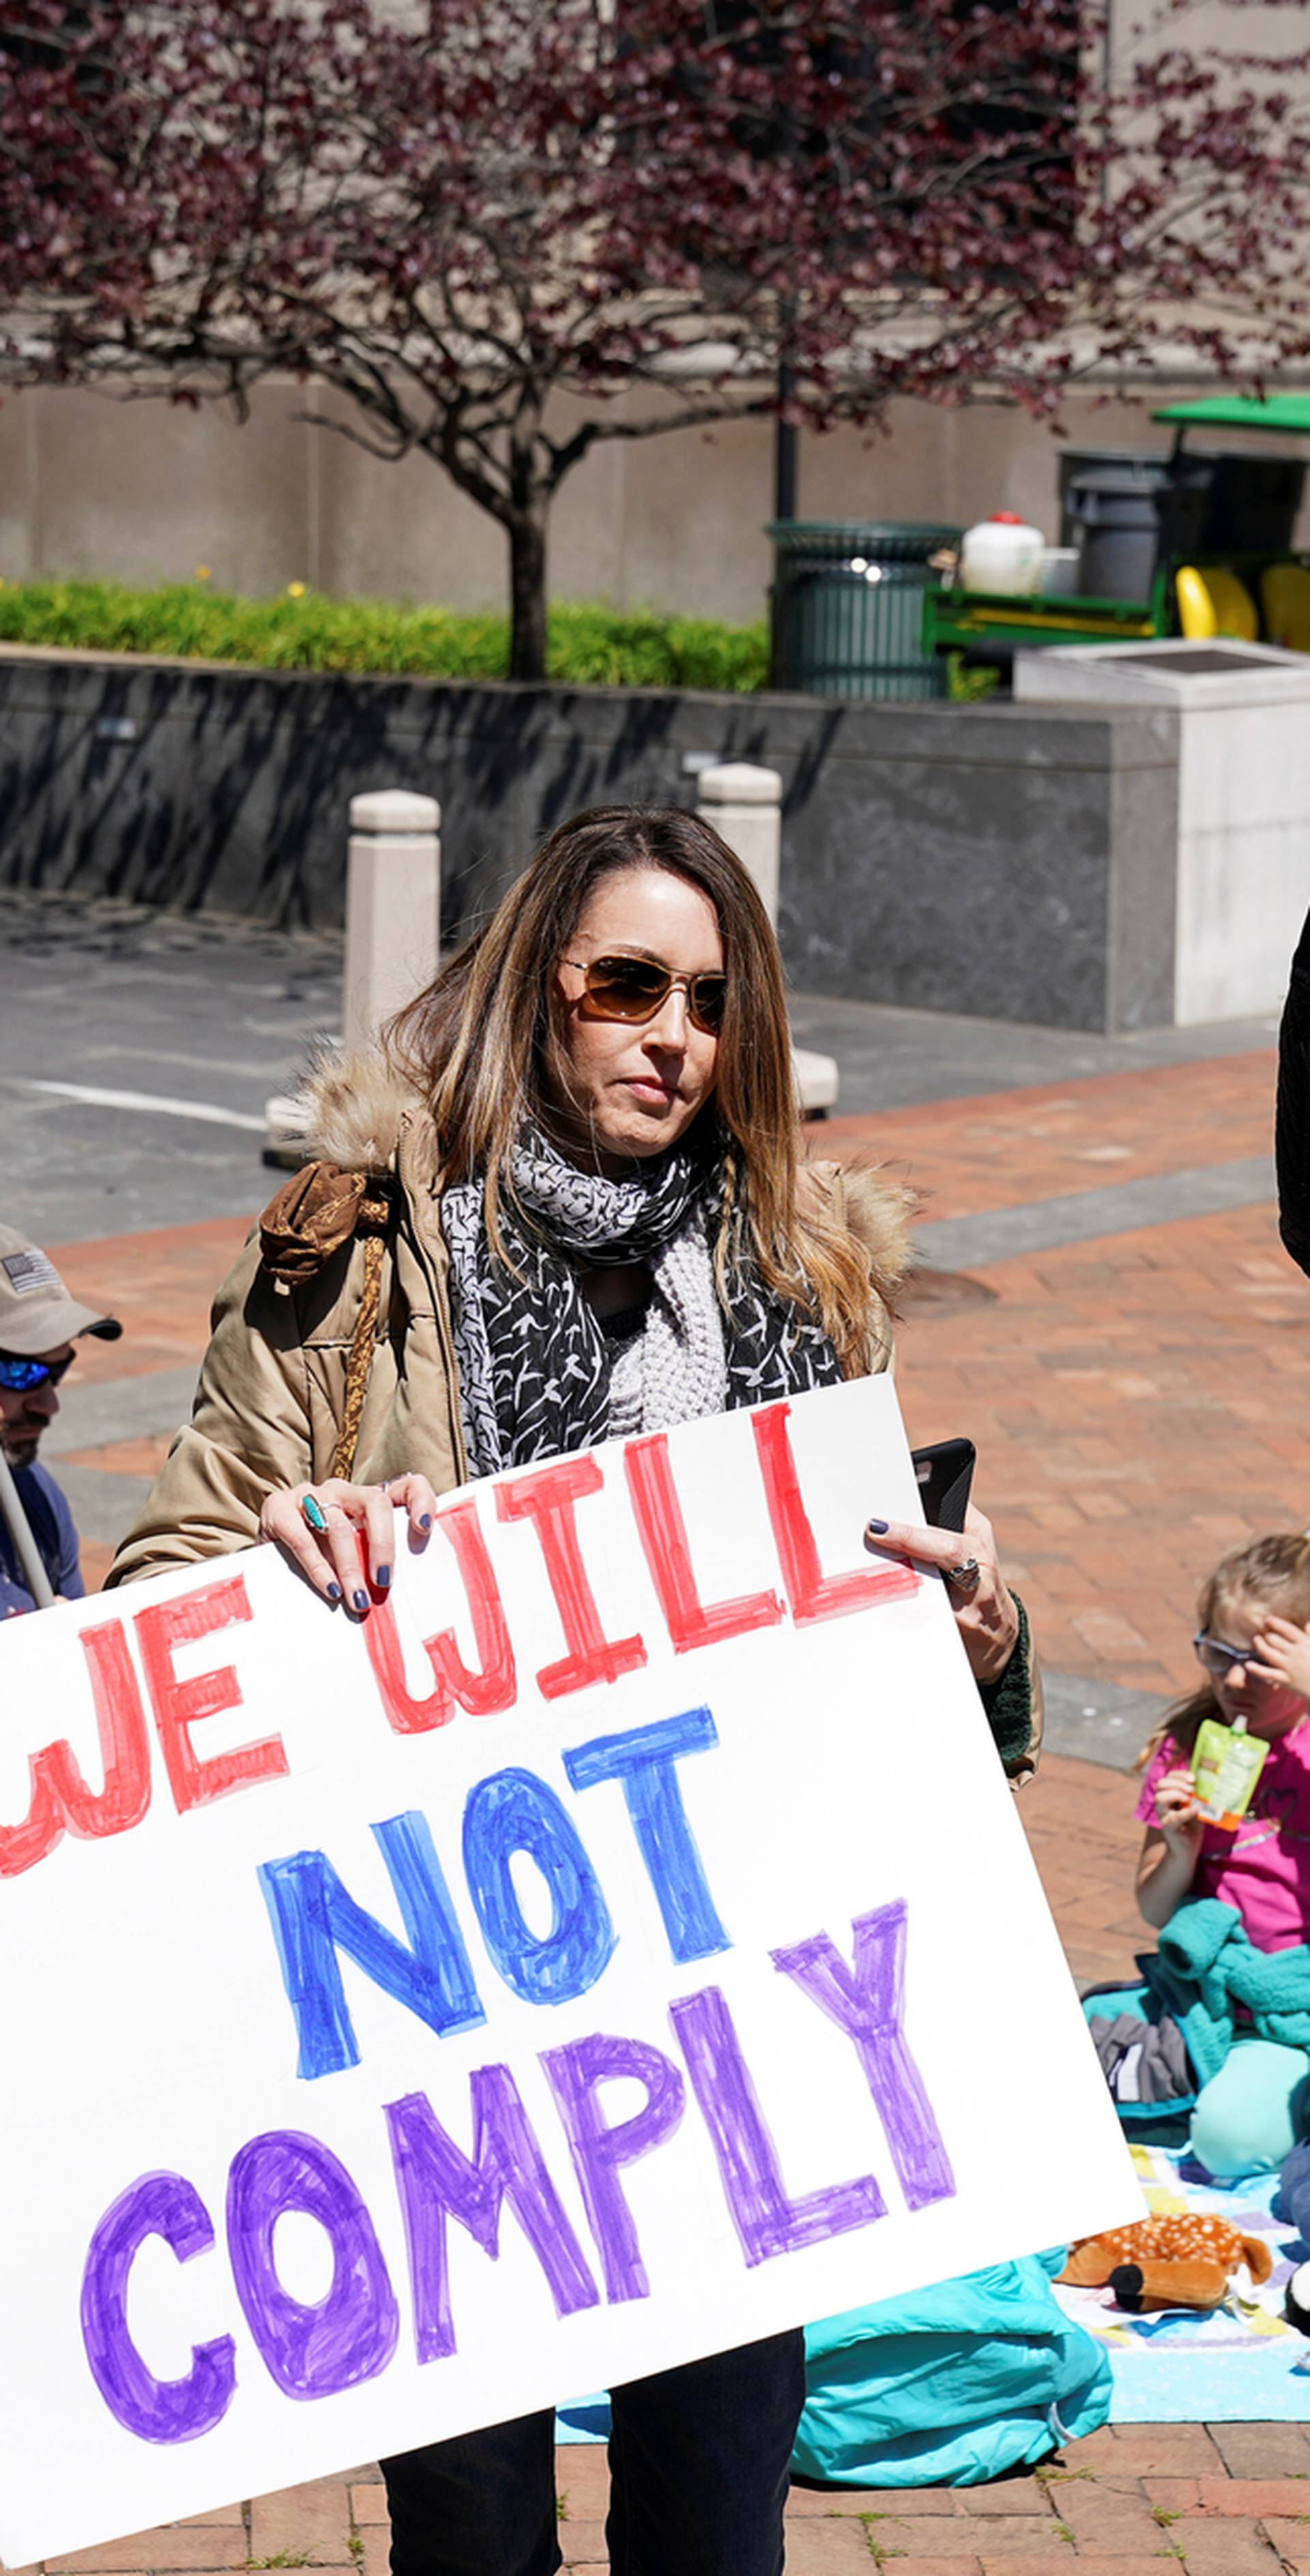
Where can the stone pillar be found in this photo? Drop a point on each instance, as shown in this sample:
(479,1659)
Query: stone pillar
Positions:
(393,934)
(393,908)
(744,804)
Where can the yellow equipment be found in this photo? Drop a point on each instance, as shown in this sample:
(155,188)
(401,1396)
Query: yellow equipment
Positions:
(1215,602)
(1285,590)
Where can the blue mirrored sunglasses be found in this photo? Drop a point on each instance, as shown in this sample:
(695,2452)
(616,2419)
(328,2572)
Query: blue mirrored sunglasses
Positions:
(1219,1658)
(18,1377)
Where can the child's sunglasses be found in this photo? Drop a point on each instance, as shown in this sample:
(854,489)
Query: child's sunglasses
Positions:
(635,988)
(18,1377)
(1219,1658)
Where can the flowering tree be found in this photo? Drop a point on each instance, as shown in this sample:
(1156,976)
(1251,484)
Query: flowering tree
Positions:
(451,213)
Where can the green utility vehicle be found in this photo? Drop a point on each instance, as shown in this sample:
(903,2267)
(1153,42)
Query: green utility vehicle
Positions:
(1192,541)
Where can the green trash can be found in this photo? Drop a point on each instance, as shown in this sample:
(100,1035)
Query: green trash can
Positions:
(848,607)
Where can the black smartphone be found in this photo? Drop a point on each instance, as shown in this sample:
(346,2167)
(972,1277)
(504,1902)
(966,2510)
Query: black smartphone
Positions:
(944,1473)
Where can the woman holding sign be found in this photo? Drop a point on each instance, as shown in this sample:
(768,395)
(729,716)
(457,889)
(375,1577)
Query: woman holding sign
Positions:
(566,1206)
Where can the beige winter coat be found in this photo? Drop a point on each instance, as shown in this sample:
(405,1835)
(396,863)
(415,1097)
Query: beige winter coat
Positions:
(272,1385)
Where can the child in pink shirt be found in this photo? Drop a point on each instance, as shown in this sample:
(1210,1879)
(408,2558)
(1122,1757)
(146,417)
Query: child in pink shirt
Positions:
(1254,1648)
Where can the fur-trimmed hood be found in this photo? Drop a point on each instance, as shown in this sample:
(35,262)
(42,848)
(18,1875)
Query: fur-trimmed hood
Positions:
(357,1109)
(353,1110)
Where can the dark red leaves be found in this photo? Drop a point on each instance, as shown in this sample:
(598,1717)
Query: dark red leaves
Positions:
(452,219)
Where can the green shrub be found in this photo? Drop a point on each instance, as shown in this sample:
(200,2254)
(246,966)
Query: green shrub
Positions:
(587,646)
(968,686)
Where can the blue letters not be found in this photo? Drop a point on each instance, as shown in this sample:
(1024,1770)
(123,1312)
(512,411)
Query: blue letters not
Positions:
(313,1916)
(513,1812)
(643,1760)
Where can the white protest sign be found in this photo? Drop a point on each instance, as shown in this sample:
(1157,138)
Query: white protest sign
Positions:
(621,1947)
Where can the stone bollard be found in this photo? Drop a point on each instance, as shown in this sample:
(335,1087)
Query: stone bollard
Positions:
(744,804)
(393,907)
(393,934)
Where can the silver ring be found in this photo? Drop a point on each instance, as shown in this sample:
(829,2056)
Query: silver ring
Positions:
(965,1574)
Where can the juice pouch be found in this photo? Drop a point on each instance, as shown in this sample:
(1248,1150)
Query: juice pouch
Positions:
(1226,1764)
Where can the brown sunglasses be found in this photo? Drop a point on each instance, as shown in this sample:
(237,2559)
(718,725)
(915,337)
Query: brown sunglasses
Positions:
(635,988)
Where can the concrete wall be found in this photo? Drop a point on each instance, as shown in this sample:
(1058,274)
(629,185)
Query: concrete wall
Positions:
(1008,861)
(92,486)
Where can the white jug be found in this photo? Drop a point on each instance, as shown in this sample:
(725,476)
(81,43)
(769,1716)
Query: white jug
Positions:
(1003,555)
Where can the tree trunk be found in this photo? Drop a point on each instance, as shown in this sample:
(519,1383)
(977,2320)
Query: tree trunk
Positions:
(527,589)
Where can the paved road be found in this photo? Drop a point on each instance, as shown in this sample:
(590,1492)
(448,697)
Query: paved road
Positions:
(196,1022)
(137,1051)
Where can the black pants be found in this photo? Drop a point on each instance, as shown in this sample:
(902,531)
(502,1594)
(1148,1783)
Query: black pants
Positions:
(698,2464)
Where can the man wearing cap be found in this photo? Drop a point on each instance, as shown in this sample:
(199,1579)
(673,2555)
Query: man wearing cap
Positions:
(39,1324)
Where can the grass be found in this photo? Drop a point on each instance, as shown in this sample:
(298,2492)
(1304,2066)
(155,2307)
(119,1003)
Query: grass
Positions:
(879,2551)
(301,630)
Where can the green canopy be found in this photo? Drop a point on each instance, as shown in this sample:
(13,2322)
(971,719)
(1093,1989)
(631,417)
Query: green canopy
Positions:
(1231,411)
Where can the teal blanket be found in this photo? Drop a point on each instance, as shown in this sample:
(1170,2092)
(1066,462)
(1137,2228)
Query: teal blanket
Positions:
(949,2386)
(1207,1965)
(945,2387)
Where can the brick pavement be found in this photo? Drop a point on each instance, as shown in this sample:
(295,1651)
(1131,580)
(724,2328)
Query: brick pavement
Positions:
(1138,1406)
(1131,2500)
(1135,1406)
(1002,1147)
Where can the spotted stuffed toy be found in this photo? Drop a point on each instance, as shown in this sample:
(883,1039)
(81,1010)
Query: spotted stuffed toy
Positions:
(1184,2261)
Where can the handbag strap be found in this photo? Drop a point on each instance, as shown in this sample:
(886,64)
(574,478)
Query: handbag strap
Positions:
(312,1217)
(374,1216)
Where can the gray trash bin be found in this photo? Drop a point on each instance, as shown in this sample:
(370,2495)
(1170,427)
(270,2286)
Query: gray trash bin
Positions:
(848,607)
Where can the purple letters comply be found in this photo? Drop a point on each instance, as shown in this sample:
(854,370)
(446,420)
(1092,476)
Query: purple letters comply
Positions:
(159,2410)
(869,2006)
(436,2180)
(576,2073)
(767,2221)
(351,2334)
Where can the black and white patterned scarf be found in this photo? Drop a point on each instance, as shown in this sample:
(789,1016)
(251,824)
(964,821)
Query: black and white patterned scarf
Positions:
(536,1376)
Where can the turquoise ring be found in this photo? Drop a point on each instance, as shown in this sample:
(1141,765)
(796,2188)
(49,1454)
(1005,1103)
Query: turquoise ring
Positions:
(313,1513)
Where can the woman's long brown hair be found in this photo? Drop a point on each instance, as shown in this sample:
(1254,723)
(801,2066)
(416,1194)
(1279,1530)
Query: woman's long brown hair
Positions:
(481,1044)
(1274,1571)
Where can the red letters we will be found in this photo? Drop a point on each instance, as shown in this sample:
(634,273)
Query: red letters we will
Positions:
(61,1801)
(546,1498)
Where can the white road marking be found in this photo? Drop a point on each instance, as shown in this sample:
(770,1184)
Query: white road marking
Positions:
(152,1102)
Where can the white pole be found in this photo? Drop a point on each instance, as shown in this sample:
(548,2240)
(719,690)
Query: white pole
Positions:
(744,804)
(20,1531)
(393,934)
(393,907)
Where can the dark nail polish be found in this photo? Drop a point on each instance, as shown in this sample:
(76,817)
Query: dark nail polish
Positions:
(878,1526)
(334,1592)
(382,1577)
(425,1520)
(360,1600)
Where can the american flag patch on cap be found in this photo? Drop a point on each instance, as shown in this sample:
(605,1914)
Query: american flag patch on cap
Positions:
(28,1271)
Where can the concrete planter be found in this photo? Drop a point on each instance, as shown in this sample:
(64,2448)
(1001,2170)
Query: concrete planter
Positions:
(1009,861)
(1242,852)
